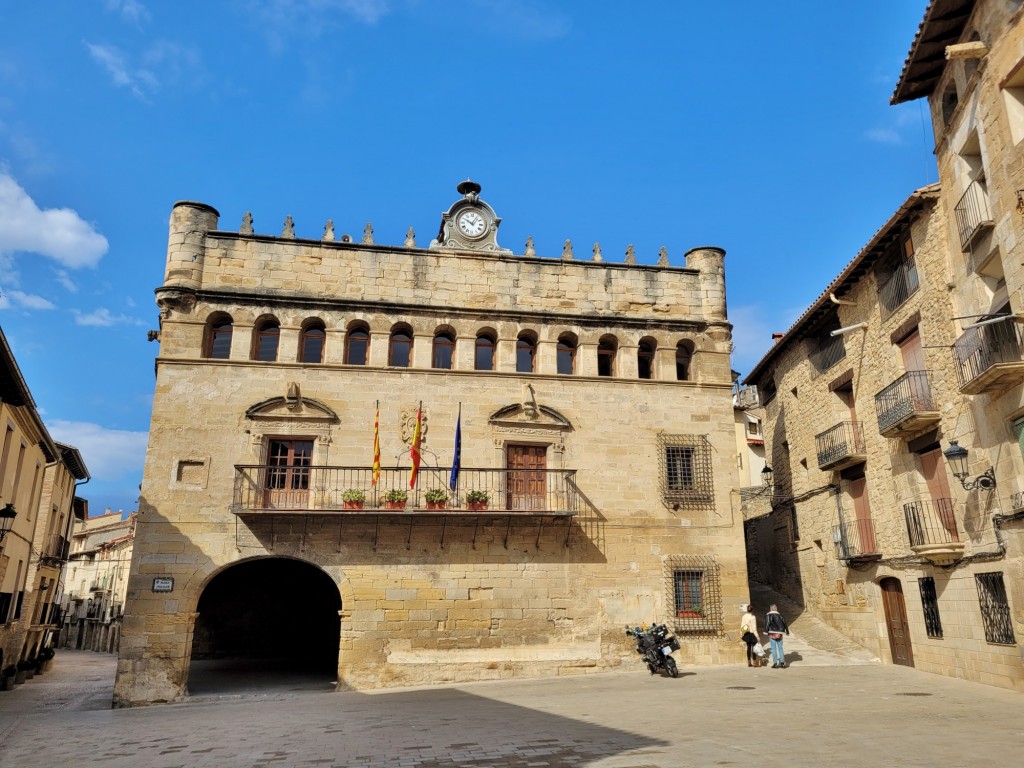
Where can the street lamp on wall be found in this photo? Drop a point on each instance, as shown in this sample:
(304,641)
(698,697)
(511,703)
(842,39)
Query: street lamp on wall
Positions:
(766,476)
(956,457)
(7,515)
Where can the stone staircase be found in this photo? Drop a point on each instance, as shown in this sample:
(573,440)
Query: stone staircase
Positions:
(811,641)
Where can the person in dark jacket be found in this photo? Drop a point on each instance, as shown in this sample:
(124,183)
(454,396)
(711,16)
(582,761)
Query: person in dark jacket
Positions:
(775,626)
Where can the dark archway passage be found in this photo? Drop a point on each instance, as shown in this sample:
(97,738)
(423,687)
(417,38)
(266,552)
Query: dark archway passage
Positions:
(266,622)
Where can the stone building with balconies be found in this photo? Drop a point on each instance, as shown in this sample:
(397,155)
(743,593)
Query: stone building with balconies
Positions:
(96,581)
(37,506)
(868,526)
(967,59)
(575,433)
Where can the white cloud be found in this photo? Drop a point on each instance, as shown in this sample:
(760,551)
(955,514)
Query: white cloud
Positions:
(108,453)
(138,81)
(58,233)
(130,10)
(366,11)
(103,318)
(65,280)
(752,331)
(30,301)
(884,136)
(528,19)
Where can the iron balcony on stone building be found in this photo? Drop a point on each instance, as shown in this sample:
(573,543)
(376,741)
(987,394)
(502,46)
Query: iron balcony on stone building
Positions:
(988,357)
(906,407)
(841,446)
(932,530)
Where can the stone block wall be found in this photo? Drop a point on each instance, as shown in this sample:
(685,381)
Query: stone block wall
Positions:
(426,599)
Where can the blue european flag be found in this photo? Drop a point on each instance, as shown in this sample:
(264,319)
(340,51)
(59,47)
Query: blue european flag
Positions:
(453,482)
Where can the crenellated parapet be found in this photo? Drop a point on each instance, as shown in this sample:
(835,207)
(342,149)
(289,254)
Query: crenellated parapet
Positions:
(462,267)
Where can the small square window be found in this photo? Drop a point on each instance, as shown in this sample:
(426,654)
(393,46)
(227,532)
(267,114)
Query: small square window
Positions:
(685,469)
(694,593)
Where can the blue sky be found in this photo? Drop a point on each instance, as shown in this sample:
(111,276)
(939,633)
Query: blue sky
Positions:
(764,129)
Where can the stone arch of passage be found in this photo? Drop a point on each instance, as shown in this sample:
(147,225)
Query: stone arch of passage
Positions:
(268,616)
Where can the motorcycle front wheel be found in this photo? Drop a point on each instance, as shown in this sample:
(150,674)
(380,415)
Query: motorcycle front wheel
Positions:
(670,667)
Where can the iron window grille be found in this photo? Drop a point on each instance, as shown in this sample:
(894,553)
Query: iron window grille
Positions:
(686,477)
(693,588)
(995,609)
(826,352)
(930,606)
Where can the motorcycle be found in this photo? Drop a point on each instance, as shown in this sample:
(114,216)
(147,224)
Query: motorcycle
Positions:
(656,646)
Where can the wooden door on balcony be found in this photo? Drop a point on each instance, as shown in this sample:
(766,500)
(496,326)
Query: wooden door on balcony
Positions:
(938,489)
(286,485)
(862,511)
(527,476)
(896,622)
(912,353)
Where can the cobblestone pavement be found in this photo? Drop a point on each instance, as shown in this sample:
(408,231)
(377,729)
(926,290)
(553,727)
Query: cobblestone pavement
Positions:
(846,714)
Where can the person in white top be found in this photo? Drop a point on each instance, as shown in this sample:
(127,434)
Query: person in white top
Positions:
(748,633)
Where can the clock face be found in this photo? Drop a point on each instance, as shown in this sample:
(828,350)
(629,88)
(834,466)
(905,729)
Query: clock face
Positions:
(472,224)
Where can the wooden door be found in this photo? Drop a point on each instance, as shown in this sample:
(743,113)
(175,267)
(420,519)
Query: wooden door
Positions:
(287,479)
(896,622)
(862,512)
(527,477)
(938,490)
(912,353)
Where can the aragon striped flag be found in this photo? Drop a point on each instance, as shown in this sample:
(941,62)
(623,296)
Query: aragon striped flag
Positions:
(376,446)
(414,449)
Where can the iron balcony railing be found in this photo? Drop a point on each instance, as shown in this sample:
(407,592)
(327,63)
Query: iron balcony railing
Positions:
(930,522)
(855,539)
(840,444)
(901,285)
(301,489)
(55,550)
(830,350)
(910,394)
(982,348)
(972,213)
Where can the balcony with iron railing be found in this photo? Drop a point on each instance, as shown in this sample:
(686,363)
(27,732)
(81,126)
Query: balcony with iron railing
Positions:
(900,286)
(855,541)
(55,551)
(973,215)
(906,406)
(989,357)
(746,397)
(324,490)
(841,446)
(932,530)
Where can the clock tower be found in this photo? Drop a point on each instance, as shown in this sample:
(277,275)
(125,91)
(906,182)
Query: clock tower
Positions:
(470,224)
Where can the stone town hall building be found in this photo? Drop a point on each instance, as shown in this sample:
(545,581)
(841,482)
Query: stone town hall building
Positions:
(596,424)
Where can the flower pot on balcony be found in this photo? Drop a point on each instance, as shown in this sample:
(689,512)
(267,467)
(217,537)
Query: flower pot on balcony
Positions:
(394,505)
(353,498)
(689,615)
(436,504)
(477,500)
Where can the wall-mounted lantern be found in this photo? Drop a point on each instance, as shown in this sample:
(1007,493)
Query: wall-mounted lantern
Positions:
(7,515)
(956,456)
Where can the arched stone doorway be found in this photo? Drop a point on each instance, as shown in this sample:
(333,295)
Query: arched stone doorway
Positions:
(264,623)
